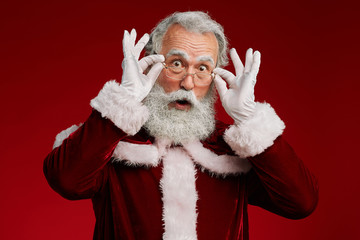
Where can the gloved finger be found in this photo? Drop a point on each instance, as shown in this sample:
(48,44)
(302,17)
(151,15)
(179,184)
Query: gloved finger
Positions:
(238,65)
(147,61)
(226,75)
(256,63)
(132,37)
(220,86)
(125,43)
(154,72)
(248,60)
(140,45)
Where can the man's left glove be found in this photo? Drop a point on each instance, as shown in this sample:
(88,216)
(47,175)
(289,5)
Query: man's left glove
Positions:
(239,100)
(134,81)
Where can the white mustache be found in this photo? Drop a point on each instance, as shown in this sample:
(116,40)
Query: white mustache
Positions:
(182,94)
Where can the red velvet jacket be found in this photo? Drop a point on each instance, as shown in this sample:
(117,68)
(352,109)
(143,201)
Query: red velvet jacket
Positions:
(128,201)
(144,189)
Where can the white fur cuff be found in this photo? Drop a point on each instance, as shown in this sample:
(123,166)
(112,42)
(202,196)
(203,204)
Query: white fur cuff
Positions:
(256,134)
(124,111)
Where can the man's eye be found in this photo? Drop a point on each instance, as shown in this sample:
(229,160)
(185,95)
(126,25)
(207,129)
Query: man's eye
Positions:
(176,63)
(203,68)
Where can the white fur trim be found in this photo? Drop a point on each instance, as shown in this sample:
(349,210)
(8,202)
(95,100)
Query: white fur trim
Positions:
(256,134)
(140,154)
(150,155)
(124,111)
(60,137)
(179,196)
(221,165)
(136,155)
(162,145)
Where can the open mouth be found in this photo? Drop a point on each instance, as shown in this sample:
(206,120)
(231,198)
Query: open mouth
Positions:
(181,104)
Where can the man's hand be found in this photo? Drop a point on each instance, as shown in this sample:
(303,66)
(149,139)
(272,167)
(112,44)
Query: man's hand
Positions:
(134,81)
(239,100)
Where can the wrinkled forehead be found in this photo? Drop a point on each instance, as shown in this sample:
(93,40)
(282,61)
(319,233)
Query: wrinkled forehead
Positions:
(202,46)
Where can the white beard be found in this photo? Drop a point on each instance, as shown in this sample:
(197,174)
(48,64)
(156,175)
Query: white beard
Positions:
(179,126)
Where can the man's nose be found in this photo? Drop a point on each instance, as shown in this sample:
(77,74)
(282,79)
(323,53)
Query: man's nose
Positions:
(188,82)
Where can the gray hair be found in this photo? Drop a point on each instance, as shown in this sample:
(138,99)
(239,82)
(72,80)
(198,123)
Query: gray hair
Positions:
(196,21)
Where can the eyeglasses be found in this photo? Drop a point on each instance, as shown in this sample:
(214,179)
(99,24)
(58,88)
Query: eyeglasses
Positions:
(203,78)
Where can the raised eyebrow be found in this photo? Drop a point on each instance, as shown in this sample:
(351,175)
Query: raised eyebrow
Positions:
(206,59)
(181,53)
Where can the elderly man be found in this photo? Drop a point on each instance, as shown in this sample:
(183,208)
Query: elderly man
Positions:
(156,163)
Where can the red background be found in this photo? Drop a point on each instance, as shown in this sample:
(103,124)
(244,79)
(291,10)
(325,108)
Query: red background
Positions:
(56,55)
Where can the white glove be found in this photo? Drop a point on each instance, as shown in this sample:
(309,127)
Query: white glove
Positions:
(134,81)
(239,100)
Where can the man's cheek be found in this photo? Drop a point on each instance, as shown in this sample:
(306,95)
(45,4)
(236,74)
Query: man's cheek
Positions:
(168,86)
(160,78)
(201,92)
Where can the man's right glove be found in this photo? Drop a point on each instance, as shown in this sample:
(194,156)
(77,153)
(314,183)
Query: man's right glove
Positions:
(134,81)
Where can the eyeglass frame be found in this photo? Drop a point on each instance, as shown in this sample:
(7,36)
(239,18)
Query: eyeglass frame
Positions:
(212,75)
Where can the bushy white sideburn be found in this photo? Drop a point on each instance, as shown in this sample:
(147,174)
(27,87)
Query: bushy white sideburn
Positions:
(177,125)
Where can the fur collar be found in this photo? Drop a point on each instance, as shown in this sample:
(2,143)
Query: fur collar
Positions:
(145,155)
(149,155)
